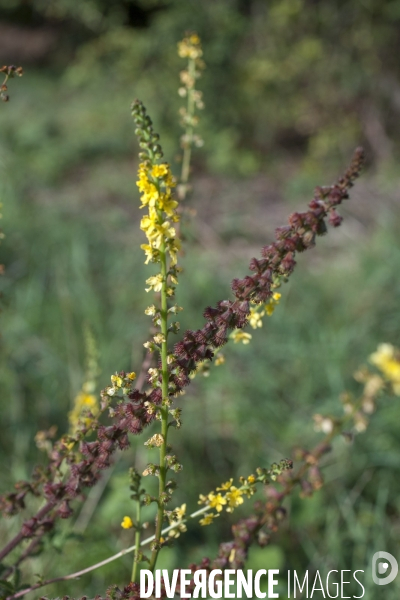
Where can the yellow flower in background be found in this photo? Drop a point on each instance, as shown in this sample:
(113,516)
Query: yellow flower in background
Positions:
(225,486)
(208,519)
(240,336)
(180,512)
(82,402)
(176,519)
(255,317)
(127,523)
(272,303)
(190,47)
(387,360)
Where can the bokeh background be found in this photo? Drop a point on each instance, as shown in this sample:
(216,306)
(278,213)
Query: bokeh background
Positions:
(291,88)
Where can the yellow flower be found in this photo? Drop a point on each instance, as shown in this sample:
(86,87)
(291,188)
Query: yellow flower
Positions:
(127,523)
(176,517)
(159,170)
(173,248)
(240,336)
(180,512)
(156,440)
(208,519)
(149,251)
(225,486)
(216,501)
(131,376)
(148,224)
(255,315)
(82,402)
(176,532)
(387,360)
(272,303)
(234,497)
(150,310)
(251,479)
(159,338)
(155,283)
(219,360)
(167,205)
(116,380)
(194,39)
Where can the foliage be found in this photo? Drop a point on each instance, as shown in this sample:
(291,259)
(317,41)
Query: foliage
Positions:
(284,77)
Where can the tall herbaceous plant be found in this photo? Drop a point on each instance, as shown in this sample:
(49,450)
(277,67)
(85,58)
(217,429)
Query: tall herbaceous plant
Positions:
(148,402)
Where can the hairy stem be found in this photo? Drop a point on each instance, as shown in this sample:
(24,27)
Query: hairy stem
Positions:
(164,407)
(138,532)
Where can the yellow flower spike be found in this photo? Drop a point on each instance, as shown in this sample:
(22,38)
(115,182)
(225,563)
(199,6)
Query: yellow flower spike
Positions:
(216,501)
(127,523)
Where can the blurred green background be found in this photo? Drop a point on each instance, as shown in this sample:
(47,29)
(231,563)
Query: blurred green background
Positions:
(291,87)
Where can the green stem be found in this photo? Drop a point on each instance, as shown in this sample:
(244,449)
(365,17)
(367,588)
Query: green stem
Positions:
(135,565)
(187,149)
(164,407)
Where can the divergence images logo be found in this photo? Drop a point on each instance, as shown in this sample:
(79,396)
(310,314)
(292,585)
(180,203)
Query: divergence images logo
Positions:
(383,566)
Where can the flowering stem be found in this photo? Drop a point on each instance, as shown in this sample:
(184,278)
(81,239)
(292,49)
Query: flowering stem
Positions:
(164,405)
(187,149)
(137,540)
